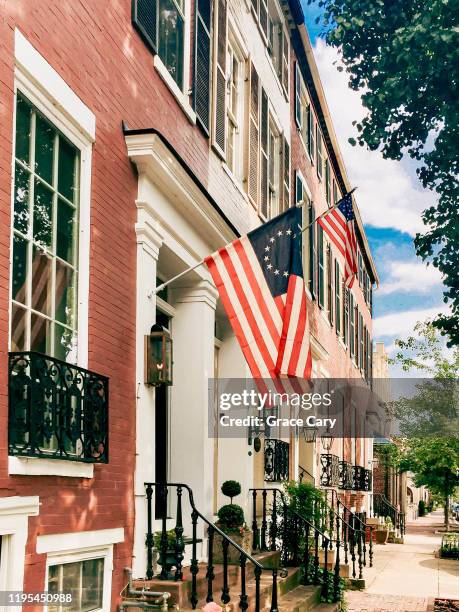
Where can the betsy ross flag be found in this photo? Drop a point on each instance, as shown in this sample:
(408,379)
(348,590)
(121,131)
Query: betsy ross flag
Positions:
(339,227)
(260,281)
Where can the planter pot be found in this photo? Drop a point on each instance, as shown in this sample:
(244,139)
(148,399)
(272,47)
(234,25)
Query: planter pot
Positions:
(381,536)
(243,540)
(391,536)
(168,563)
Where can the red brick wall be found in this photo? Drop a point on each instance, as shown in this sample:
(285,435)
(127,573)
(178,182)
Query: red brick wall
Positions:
(95,49)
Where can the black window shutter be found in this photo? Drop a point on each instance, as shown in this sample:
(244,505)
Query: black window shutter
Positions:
(202,67)
(220,25)
(298,115)
(145,21)
(264,133)
(298,188)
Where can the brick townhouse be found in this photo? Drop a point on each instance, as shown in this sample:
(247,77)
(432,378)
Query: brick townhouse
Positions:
(135,141)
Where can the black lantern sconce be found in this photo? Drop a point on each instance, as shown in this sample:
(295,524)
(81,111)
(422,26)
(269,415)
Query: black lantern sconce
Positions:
(158,357)
(309,433)
(327,441)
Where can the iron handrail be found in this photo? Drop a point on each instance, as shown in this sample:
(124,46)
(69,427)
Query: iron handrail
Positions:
(304,471)
(208,522)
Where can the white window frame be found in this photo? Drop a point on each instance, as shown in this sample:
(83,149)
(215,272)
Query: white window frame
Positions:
(51,95)
(14,521)
(280,25)
(80,546)
(234,42)
(182,94)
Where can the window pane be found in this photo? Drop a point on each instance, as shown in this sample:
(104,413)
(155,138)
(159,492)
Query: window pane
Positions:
(19,268)
(65,344)
(93,572)
(66,184)
(71,583)
(44,149)
(171,39)
(23,114)
(42,214)
(40,334)
(65,294)
(21,199)
(41,281)
(18,328)
(65,244)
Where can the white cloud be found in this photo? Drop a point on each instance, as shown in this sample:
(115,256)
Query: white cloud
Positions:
(400,324)
(409,277)
(389,194)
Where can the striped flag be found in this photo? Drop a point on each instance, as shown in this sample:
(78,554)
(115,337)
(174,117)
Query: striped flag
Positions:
(260,281)
(338,224)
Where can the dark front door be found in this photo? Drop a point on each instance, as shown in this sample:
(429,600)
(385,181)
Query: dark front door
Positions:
(161,433)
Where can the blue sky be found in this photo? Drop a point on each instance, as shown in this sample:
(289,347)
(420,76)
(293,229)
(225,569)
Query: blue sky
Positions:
(390,200)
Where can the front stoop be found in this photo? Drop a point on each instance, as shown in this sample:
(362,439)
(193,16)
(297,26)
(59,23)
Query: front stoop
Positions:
(292,597)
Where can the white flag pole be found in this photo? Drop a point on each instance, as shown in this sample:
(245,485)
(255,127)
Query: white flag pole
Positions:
(303,229)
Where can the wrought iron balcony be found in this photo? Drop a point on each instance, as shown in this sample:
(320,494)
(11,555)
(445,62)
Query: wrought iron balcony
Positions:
(329,476)
(362,478)
(346,480)
(56,410)
(277,455)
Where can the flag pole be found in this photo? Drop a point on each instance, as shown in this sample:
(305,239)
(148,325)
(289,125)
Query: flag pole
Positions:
(303,229)
(159,288)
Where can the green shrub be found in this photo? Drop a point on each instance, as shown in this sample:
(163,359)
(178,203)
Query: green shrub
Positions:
(231,516)
(231,488)
(421,508)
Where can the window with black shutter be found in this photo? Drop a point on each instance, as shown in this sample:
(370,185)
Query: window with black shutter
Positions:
(346,301)
(337,304)
(285,182)
(202,65)
(253,140)
(264,156)
(320,266)
(298,108)
(220,44)
(145,21)
(312,250)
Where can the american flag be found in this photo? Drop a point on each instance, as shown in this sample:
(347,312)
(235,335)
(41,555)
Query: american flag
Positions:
(259,278)
(339,227)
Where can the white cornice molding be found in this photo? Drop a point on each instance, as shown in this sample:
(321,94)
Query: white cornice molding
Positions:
(19,505)
(61,542)
(203,291)
(318,351)
(157,163)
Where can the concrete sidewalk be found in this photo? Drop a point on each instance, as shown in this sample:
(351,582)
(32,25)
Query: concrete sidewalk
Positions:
(405,576)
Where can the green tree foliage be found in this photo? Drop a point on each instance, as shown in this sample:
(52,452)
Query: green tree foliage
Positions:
(428,419)
(403,55)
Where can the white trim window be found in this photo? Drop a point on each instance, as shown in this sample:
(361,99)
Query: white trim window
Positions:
(235,109)
(83,579)
(45,236)
(80,563)
(50,211)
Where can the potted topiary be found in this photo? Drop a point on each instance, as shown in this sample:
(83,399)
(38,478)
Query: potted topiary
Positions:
(231,521)
(382,533)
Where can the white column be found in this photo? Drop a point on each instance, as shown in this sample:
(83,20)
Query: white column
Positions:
(149,240)
(193,356)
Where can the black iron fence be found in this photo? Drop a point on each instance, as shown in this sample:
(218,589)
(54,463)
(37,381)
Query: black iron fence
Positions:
(57,410)
(346,476)
(329,476)
(277,460)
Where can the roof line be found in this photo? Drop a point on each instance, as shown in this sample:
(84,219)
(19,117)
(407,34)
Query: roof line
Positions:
(186,167)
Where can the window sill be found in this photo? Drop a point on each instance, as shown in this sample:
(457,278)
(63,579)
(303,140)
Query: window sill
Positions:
(181,98)
(235,181)
(37,466)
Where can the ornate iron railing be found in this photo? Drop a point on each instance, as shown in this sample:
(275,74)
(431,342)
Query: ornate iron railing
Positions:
(329,476)
(277,460)
(56,410)
(381,506)
(357,477)
(346,477)
(220,547)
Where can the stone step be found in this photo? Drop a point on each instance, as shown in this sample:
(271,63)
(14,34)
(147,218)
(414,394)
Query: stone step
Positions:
(181,590)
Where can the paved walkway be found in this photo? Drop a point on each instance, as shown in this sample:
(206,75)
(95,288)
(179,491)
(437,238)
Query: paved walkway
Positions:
(405,576)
